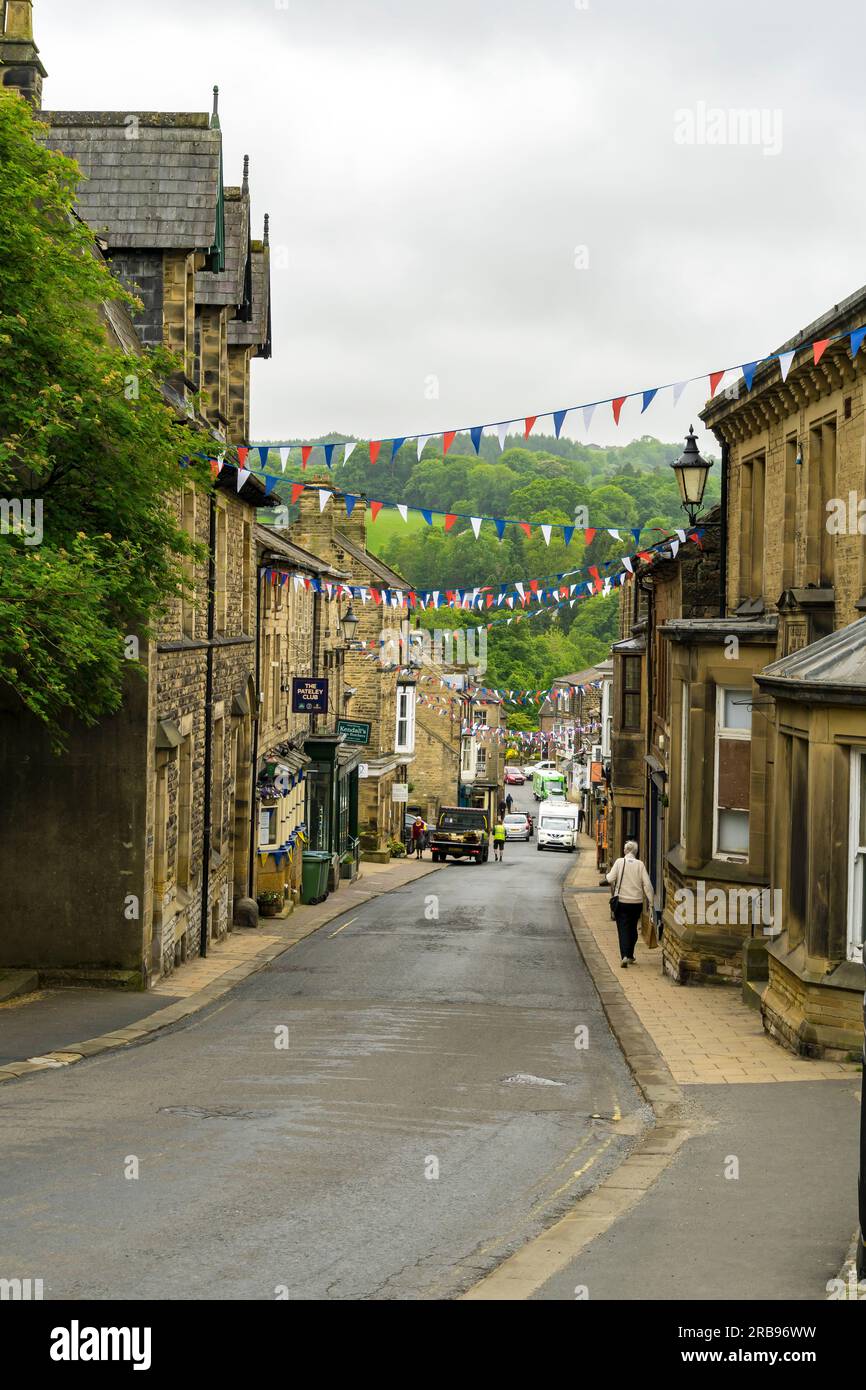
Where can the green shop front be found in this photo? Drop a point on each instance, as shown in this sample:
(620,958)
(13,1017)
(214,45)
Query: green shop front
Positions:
(332,803)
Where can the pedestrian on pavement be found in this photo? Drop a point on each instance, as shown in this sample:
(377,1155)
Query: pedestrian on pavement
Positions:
(509,802)
(498,839)
(418,831)
(631,884)
(502,808)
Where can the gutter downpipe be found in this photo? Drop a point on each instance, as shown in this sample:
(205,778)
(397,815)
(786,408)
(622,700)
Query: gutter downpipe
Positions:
(260,571)
(208,729)
(723,540)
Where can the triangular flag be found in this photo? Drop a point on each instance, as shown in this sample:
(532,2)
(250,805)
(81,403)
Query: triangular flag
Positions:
(615,534)
(350,503)
(715,378)
(636,535)
(558,421)
(423,439)
(396,446)
(329,453)
(297,489)
(588,412)
(589,535)
(214,467)
(856,340)
(748,371)
(375,508)
(264,451)
(819,348)
(628,564)
(502,431)
(567,533)
(325,496)
(648,397)
(475,523)
(450,518)
(527,425)
(447,440)
(242,457)
(525,526)
(306,450)
(785,360)
(500,527)
(270,484)
(545,531)
(350,448)
(243,474)
(284,457)
(375,446)
(475,435)
(678,390)
(617,407)
(403,510)
(428,516)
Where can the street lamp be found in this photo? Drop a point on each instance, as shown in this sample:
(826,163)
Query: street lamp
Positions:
(349,623)
(692,471)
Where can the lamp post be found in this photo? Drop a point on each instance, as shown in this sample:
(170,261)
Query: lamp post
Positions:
(349,623)
(691,471)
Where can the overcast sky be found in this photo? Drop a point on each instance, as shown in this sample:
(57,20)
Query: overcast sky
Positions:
(434,172)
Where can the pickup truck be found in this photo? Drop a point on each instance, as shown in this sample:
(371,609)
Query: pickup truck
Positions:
(463,832)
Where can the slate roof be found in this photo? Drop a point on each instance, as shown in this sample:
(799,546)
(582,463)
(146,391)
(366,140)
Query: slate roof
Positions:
(227,286)
(833,666)
(159,191)
(257,332)
(270,541)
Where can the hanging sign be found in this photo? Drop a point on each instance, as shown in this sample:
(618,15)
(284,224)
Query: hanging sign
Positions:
(354,730)
(400,791)
(309,695)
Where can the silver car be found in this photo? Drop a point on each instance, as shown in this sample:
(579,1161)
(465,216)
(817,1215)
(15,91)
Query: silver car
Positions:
(516,827)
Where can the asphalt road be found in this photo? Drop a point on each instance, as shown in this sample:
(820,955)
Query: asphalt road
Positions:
(429,1114)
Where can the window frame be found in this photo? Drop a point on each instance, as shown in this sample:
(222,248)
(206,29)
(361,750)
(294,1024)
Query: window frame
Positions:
(405,718)
(722,731)
(856,885)
(636,662)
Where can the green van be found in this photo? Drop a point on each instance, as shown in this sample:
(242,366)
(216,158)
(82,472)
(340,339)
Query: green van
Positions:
(547,784)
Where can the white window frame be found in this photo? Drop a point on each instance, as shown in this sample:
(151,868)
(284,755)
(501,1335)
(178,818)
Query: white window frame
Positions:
(405,719)
(481,758)
(270,844)
(721,730)
(856,852)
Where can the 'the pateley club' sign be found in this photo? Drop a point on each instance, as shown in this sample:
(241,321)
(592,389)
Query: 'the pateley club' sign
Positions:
(309,695)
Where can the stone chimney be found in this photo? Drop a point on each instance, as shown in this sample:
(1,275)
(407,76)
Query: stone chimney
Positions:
(20,65)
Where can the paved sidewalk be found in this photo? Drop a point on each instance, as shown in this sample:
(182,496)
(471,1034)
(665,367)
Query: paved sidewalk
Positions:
(57,1027)
(706,1034)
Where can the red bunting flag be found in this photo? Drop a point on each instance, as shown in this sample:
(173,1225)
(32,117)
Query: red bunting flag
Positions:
(528,423)
(525,526)
(489,600)
(297,489)
(214,467)
(617,407)
(242,457)
(447,440)
(450,518)
(596,578)
(533,584)
(715,378)
(375,446)
(589,535)
(376,595)
(306,450)
(375,508)
(819,348)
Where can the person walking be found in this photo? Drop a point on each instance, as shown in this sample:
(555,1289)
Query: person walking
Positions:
(631,884)
(501,808)
(498,840)
(418,832)
(509,802)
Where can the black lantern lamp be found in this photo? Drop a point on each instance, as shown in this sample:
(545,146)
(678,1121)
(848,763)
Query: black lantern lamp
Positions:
(349,623)
(692,471)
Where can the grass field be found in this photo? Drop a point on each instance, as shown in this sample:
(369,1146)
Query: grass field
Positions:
(389,522)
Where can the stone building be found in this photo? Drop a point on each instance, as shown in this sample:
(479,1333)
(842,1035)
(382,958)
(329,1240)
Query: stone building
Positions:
(145,840)
(482,764)
(380,688)
(299,635)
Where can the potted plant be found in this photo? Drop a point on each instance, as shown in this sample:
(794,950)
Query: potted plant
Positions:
(270,903)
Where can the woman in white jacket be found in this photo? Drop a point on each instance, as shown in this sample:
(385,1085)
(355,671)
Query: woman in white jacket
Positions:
(631,884)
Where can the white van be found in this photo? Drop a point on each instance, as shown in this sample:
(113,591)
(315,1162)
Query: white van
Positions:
(557,825)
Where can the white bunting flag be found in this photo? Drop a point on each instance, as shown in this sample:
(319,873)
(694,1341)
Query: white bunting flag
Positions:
(675,545)
(681,536)
(475,522)
(615,534)
(785,360)
(284,457)
(545,531)
(502,431)
(349,451)
(324,498)
(628,564)
(678,390)
(519,587)
(403,510)
(435,598)
(243,474)
(588,412)
(423,439)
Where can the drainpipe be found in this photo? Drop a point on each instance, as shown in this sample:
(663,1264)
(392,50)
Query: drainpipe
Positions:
(254,829)
(314,718)
(208,728)
(723,536)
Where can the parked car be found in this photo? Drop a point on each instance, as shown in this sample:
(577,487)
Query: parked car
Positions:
(516,827)
(546,765)
(514,777)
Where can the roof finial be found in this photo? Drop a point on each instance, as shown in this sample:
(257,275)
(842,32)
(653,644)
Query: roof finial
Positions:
(215,118)
(267,241)
(246,186)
